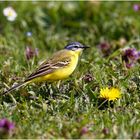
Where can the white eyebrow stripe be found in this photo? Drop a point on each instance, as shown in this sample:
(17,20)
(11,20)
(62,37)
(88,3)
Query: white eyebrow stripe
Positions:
(72,45)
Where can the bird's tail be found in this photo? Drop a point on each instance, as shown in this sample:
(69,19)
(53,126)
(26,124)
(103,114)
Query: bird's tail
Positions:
(14,87)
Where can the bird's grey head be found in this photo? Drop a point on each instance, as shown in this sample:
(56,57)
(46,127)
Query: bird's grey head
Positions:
(75,46)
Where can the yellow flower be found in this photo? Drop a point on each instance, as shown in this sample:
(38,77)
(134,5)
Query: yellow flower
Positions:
(110,94)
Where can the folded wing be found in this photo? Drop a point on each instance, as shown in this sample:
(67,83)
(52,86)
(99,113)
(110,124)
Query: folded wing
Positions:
(49,67)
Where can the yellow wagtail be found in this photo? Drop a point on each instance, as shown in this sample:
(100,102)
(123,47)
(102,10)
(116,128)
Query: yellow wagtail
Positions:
(58,67)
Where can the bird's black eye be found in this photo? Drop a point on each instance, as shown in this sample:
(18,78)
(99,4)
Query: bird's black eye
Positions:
(76,46)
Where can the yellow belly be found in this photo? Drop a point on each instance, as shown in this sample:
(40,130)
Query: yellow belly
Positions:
(61,73)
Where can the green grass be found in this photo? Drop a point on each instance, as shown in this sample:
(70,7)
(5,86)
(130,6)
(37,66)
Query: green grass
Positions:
(43,110)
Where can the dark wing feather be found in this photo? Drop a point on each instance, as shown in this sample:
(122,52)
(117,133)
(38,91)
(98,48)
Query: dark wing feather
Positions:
(48,67)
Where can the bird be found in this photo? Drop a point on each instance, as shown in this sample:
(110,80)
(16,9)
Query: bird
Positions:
(60,66)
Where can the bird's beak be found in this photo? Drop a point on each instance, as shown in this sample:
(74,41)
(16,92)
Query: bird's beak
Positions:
(86,47)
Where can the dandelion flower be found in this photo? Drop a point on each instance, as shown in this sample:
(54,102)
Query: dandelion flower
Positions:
(110,94)
(10,13)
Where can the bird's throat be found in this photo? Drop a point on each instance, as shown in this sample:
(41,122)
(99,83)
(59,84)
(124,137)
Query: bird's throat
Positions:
(79,52)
